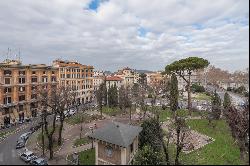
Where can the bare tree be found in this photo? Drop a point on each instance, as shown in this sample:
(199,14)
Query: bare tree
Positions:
(181,131)
(238,121)
(46,98)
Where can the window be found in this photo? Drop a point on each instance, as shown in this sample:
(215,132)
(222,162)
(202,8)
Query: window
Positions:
(53,72)
(33,96)
(44,72)
(22,98)
(68,75)
(21,80)
(20,107)
(34,79)
(45,79)
(7,81)
(7,100)
(53,79)
(33,72)
(33,88)
(7,72)
(7,90)
(131,148)
(21,89)
(21,72)
(109,151)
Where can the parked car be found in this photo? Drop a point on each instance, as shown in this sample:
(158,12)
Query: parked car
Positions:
(27,156)
(39,161)
(20,144)
(35,128)
(72,112)
(25,136)
(28,120)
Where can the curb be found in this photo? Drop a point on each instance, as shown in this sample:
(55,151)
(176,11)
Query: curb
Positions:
(12,132)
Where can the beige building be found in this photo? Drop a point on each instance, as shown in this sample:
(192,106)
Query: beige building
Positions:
(114,81)
(129,76)
(99,78)
(19,89)
(155,78)
(116,144)
(77,76)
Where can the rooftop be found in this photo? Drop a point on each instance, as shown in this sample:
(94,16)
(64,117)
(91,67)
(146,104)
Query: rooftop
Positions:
(117,133)
(113,78)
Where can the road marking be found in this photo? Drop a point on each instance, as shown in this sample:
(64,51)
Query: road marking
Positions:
(13,153)
(1,157)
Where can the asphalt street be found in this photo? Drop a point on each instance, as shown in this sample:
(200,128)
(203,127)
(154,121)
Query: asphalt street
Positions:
(9,155)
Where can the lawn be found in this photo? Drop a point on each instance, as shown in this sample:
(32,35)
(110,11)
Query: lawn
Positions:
(86,157)
(165,114)
(202,96)
(55,137)
(4,133)
(221,152)
(111,111)
(81,141)
(78,118)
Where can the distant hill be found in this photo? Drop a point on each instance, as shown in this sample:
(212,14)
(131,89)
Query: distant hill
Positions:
(107,72)
(144,71)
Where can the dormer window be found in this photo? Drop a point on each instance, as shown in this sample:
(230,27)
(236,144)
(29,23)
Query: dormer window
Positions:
(109,151)
(21,73)
(7,72)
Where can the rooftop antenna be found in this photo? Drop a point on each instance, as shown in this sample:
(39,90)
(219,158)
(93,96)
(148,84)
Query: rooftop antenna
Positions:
(7,53)
(10,53)
(19,54)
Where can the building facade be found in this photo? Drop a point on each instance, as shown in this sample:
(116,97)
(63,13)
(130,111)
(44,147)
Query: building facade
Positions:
(19,89)
(129,76)
(77,76)
(114,81)
(155,78)
(99,78)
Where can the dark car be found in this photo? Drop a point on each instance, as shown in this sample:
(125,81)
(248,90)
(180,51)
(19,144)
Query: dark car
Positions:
(20,144)
(39,161)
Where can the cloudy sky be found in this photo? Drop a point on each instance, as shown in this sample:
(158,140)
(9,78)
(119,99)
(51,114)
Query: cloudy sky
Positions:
(142,34)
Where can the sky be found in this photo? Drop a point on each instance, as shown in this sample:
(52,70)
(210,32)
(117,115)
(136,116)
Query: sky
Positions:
(141,34)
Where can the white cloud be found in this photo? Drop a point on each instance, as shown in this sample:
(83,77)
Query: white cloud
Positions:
(108,38)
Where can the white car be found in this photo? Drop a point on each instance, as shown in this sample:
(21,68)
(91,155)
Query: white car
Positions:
(72,112)
(25,136)
(28,156)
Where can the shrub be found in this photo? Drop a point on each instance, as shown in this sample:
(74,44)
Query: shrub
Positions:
(197,88)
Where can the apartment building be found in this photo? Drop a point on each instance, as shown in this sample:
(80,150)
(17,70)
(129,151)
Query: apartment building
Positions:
(19,89)
(129,76)
(114,81)
(155,78)
(99,78)
(77,76)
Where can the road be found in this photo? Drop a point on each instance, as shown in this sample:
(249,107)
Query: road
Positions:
(9,155)
(236,99)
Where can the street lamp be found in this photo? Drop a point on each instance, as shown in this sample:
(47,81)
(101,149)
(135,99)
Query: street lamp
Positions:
(76,158)
(92,128)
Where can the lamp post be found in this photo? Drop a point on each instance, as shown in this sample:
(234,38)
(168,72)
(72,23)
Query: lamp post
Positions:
(76,158)
(92,128)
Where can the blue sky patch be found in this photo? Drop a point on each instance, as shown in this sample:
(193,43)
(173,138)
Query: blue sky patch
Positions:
(198,26)
(142,32)
(94,4)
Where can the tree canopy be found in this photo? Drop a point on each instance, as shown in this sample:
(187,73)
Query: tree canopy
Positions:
(189,64)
